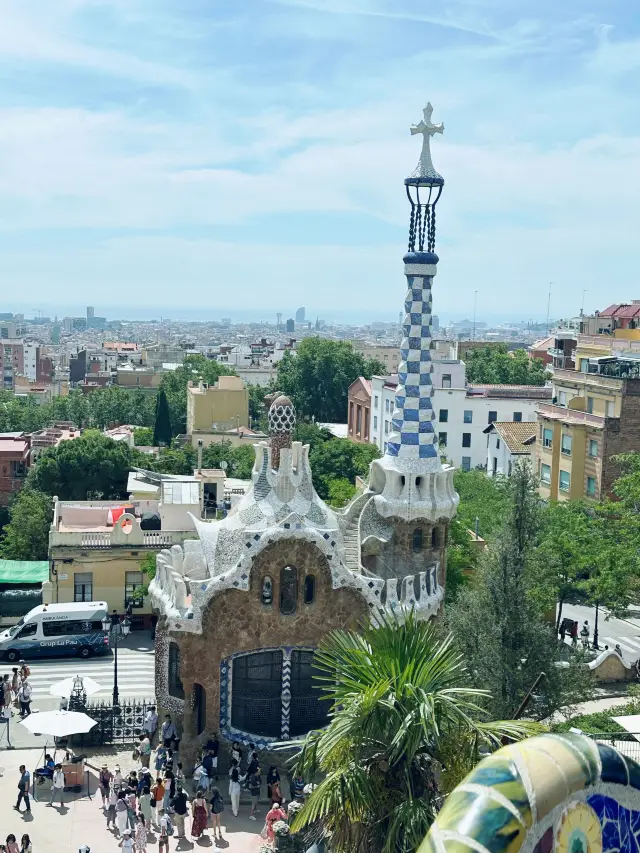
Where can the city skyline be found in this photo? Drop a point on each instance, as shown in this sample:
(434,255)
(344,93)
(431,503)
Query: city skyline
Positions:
(149,149)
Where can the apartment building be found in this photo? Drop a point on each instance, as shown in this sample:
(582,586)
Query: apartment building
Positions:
(462,412)
(216,409)
(359,410)
(14,464)
(594,416)
(508,444)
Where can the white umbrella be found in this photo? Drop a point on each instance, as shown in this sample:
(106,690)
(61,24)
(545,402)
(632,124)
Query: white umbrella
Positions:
(58,723)
(65,687)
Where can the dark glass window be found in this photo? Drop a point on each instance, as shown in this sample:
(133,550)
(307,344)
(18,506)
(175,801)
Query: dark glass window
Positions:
(83,586)
(434,538)
(256,693)
(175,682)
(68,626)
(417,539)
(288,590)
(493,417)
(29,630)
(308,710)
(466,439)
(266,594)
(200,706)
(309,589)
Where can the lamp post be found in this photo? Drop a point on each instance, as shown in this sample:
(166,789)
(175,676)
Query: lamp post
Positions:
(124,627)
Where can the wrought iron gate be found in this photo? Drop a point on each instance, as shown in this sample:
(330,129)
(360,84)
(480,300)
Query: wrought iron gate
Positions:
(119,725)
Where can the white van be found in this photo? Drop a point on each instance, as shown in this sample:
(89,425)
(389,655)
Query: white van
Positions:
(57,629)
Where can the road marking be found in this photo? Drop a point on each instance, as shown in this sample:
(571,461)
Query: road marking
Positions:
(622,643)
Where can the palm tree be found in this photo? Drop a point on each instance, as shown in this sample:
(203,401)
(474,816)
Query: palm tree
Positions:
(404,728)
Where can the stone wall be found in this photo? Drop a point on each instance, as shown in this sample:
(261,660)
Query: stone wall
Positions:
(237,621)
(398,558)
(621,435)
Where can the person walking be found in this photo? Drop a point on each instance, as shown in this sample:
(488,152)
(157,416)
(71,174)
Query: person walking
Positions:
(169,789)
(145,806)
(7,698)
(111,808)
(127,841)
(163,839)
(15,682)
(23,789)
(57,785)
(180,806)
(25,671)
(157,796)
(168,732)
(275,813)
(217,807)
(234,791)
(255,784)
(121,813)
(24,697)
(150,723)
(273,777)
(160,761)
(198,814)
(584,634)
(144,749)
(104,780)
(141,834)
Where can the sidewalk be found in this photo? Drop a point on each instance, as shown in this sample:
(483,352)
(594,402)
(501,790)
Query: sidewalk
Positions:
(81,821)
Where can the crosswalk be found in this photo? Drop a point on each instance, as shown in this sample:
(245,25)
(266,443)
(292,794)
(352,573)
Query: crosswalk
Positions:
(136,674)
(630,646)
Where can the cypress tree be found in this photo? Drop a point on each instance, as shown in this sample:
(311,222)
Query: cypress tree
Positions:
(162,432)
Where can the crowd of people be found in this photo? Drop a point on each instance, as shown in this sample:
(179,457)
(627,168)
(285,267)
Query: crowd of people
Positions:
(16,691)
(154,798)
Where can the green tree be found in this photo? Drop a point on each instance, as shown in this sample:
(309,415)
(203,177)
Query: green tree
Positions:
(318,374)
(162,431)
(257,408)
(402,710)
(496,365)
(339,459)
(91,467)
(498,624)
(26,536)
(482,498)
(627,486)
(340,492)
(143,436)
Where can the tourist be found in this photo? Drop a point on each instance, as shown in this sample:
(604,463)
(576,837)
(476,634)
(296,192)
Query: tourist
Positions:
(236,754)
(118,781)
(144,749)
(618,650)
(15,682)
(24,697)
(45,772)
(127,842)
(297,787)
(253,763)
(132,811)
(163,839)
(104,781)
(275,814)
(111,808)
(145,806)
(25,844)
(161,758)
(7,697)
(584,634)
(276,793)
(273,777)
(25,672)
(168,732)
(234,790)
(23,789)
(169,789)
(217,807)
(198,814)
(121,813)
(12,844)
(157,797)
(141,834)
(180,805)
(151,722)
(57,786)
(255,784)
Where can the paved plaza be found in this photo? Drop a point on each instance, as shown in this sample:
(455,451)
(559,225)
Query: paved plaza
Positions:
(82,821)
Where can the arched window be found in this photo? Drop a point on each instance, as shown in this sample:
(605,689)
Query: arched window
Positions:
(417,539)
(288,590)
(309,589)
(175,682)
(435,538)
(266,592)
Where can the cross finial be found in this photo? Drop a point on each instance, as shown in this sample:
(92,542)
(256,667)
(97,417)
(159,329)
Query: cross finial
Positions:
(427,128)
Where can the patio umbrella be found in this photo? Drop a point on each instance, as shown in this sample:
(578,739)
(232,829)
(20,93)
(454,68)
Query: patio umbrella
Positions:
(58,723)
(65,687)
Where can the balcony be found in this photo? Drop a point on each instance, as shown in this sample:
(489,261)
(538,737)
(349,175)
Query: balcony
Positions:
(92,539)
(569,416)
(591,380)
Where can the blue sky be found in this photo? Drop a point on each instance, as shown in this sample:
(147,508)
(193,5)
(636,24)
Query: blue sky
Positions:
(250,153)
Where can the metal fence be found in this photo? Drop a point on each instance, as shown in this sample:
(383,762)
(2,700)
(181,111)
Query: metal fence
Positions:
(117,725)
(626,743)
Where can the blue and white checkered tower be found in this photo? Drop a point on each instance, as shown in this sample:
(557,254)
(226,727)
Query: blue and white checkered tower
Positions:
(416,484)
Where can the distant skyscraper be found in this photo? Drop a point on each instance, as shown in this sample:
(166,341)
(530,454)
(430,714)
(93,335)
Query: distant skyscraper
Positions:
(291,326)
(435,323)
(300,315)
(279,316)
(90,313)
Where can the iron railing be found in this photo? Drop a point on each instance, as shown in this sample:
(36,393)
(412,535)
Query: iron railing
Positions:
(625,742)
(18,602)
(118,725)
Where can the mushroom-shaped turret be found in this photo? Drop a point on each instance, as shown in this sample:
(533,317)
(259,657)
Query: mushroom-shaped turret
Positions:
(282,423)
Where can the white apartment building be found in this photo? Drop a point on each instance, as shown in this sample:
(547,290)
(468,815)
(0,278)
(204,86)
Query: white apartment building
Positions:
(509,443)
(30,351)
(462,412)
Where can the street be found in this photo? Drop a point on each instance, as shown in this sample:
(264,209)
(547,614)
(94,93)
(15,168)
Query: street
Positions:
(610,631)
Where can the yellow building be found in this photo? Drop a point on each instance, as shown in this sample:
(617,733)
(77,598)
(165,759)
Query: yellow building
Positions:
(389,356)
(95,549)
(217,408)
(593,418)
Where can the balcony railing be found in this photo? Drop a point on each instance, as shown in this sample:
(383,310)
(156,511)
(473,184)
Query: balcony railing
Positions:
(104,539)
(569,416)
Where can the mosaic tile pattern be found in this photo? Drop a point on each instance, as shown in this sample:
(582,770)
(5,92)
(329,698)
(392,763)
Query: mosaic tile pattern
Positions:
(553,793)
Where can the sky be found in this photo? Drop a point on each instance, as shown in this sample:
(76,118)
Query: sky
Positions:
(227,155)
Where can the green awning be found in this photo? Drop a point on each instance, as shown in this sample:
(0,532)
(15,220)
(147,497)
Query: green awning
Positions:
(24,571)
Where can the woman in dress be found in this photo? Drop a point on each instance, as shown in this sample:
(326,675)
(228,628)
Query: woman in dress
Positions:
(122,818)
(275,814)
(272,777)
(141,835)
(145,806)
(199,814)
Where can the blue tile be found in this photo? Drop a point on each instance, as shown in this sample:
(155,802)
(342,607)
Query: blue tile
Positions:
(610,837)
(613,767)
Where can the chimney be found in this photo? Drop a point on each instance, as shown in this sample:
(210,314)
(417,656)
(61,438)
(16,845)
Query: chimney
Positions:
(199,455)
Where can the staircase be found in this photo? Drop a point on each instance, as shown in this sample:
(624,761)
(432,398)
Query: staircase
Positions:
(352,546)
